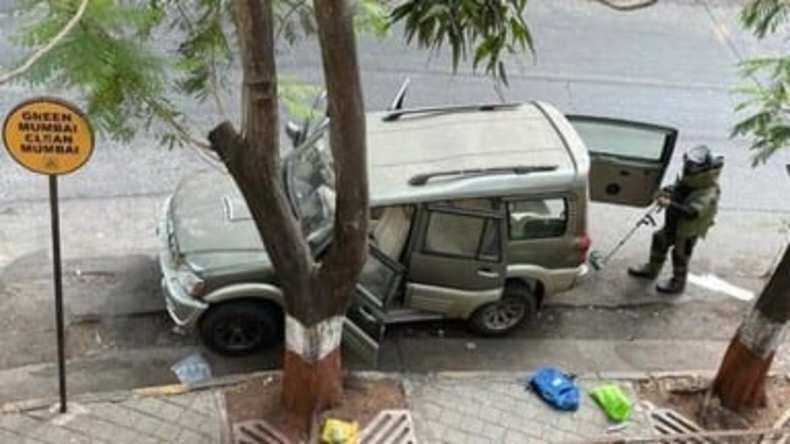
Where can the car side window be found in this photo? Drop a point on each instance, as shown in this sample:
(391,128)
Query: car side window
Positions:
(380,276)
(537,218)
(622,140)
(462,235)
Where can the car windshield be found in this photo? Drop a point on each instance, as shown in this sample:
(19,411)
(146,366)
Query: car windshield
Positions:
(311,185)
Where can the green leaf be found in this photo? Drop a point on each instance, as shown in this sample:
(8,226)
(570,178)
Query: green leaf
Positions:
(490,29)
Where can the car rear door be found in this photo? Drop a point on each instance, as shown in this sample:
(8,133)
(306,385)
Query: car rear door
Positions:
(365,323)
(628,159)
(457,256)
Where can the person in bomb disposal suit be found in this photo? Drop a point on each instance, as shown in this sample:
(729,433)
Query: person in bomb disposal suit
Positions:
(691,204)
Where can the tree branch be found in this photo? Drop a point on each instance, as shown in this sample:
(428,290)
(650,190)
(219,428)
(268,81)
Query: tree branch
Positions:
(342,264)
(284,20)
(630,6)
(214,90)
(5,78)
(255,163)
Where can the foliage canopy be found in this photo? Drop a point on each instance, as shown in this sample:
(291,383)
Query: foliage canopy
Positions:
(767,94)
(132,61)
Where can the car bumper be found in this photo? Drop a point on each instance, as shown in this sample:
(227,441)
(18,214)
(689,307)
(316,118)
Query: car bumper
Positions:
(582,275)
(184,309)
(554,280)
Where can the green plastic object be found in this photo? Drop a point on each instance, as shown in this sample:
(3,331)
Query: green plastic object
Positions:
(613,401)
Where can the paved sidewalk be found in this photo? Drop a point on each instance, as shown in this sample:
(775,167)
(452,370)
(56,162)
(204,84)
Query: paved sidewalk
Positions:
(456,408)
(189,418)
(480,408)
(447,408)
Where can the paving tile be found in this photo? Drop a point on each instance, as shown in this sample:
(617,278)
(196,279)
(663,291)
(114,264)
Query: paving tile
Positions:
(491,414)
(19,423)
(454,436)
(436,430)
(190,437)
(95,429)
(118,415)
(494,431)
(450,418)
(167,431)
(191,419)
(56,435)
(430,410)
(515,437)
(210,428)
(128,418)
(7,436)
(157,407)
(472,425)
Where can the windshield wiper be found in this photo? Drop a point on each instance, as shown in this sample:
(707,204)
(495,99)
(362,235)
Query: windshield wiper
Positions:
(422,179)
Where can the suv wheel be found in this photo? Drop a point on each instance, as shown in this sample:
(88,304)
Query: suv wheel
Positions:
(500,317)
(241,328)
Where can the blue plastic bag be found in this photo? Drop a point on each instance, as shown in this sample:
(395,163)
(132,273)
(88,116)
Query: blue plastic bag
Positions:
(556,388)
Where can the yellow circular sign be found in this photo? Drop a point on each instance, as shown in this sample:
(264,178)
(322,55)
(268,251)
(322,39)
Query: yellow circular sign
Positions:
(48,136)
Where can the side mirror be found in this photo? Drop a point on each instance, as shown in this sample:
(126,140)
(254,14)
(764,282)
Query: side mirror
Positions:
(294,132)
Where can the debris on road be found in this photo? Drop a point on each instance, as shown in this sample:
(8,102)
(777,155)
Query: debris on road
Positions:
(336,431)
(617,427)
(613,401)
(192,369)
(556,388)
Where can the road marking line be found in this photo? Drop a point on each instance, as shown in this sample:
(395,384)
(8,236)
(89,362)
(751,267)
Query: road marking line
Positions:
(715,283)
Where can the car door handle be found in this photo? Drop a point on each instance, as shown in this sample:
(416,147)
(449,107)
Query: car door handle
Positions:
(487,273)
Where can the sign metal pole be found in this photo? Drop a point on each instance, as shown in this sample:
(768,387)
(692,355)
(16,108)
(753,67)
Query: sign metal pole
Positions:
(50,136)
(58,278)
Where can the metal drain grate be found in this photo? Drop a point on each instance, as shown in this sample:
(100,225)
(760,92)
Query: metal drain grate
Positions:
(669,422)
(256,431)
(389,427)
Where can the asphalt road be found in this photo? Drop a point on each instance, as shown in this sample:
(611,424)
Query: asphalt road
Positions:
(673,64)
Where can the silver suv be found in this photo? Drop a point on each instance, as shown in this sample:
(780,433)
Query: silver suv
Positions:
(478,213)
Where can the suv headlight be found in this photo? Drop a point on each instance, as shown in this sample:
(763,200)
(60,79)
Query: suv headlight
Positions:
(190,282)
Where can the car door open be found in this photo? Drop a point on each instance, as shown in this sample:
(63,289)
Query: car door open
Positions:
(628,159)
(458,258)
(365,323)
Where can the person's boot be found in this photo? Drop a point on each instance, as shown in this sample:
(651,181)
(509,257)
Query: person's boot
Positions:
(649,270)
(673,285)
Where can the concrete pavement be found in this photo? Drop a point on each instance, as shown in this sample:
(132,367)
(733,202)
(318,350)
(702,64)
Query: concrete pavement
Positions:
(496,409)
(446,408)
(121,418)
(474,408)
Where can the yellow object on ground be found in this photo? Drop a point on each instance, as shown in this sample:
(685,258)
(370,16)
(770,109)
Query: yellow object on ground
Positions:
(336,431)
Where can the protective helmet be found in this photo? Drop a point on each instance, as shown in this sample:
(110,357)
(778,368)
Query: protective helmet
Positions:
(699,159)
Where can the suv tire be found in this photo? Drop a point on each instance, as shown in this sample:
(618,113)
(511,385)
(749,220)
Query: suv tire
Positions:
(499,318)
(241,328)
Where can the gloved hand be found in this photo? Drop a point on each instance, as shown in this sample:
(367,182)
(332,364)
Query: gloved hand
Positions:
(663,200)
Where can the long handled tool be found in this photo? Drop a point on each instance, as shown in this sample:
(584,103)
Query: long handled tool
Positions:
(597,260)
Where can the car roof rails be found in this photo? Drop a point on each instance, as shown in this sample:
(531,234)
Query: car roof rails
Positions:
(422,179)
(397,114)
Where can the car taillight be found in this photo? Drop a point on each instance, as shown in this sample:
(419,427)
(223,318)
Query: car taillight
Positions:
(584,246)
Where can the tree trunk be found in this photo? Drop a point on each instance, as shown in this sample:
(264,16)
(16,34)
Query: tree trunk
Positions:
(740,381)
(312,371)
(312,366)
(316,295)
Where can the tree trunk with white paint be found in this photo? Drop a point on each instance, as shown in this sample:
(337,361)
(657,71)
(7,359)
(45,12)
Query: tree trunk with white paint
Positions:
(740,381)
(316,294)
